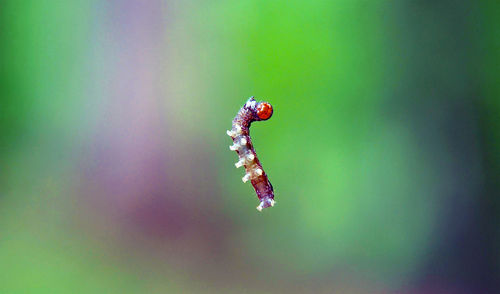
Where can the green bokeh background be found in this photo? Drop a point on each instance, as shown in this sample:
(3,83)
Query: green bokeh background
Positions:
(383,149)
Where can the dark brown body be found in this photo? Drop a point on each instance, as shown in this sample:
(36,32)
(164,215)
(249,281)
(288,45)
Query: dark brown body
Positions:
(242,144)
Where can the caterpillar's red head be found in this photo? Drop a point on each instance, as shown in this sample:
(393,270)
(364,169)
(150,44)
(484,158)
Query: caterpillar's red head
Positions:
(264,110)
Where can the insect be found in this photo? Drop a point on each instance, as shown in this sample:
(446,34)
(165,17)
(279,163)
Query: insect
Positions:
(242,144)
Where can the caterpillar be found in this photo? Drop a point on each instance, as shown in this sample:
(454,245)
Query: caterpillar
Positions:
(242,144)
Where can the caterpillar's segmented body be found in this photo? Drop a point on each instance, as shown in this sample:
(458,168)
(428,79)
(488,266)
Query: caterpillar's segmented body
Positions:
(242,144)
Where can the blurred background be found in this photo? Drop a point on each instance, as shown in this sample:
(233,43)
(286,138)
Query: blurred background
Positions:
(384,147)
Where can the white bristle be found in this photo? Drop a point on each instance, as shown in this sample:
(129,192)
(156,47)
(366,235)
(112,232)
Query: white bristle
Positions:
(245,178)
(239,163)
(234,147)
(250,157)
(243,141)
(230,133)
(250,103)
(258,171)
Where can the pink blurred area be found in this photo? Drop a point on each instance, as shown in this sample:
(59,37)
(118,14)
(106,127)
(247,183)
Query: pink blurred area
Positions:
(143,185)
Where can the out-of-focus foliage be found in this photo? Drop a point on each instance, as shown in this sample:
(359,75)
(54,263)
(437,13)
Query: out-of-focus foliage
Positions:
(115,172)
